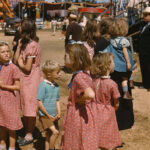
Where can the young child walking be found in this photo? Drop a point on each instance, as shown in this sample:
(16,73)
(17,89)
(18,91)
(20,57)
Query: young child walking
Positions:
(10,119)
(79,122)
(124,63)
(107,95)
(28,56)
(48,97)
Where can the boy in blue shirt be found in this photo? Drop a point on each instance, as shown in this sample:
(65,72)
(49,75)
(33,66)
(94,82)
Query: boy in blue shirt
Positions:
(49,106)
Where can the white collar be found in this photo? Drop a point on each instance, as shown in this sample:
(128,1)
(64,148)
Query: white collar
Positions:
(45,80)
(105,77)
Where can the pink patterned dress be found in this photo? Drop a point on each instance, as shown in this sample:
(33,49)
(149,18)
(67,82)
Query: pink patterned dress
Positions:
(79,122)
(90,49)
(9,102)
(31,81)
(106,91)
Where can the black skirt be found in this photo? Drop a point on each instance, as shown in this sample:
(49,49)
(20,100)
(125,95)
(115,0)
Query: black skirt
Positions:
(124,114)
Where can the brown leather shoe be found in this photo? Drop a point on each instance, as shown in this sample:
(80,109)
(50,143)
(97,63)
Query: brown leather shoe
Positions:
(127,96)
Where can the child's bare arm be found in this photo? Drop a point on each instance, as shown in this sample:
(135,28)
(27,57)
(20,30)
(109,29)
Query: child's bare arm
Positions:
(42,108)
(58,109)
(27,66)
(14,87)
(126,56)
(88,94)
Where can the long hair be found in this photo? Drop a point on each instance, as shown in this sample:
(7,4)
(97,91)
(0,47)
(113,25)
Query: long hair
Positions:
(79,56)
(28,32)
(90,33)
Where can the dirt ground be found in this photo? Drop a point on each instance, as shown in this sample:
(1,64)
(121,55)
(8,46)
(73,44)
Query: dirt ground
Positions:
(136,138)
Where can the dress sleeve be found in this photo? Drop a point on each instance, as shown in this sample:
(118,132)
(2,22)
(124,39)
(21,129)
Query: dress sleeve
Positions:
(114,91)
(41,92)
(124,43)
(82,82)
(31,51)
(16,73)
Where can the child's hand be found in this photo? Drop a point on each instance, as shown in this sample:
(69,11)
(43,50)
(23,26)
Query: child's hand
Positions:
(128,66)
(57,116)
(51,118)
(116,106)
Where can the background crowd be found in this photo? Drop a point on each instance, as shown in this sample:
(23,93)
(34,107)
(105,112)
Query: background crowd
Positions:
(99,57)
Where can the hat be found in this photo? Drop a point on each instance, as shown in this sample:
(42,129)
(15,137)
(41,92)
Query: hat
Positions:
(17,20)
(146,10)
(73,16)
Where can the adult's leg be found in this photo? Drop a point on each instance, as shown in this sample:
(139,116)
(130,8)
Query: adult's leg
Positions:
(145,70)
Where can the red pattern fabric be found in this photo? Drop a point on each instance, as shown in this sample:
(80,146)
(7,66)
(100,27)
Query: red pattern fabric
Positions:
(108,134)
(9,102)
(30,82)
(79,122)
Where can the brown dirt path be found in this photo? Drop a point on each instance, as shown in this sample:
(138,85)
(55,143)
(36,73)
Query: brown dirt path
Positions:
(136,138)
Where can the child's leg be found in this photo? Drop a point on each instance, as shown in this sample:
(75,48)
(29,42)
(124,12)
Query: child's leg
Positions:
(47,140)
(125,89)
(12,139)
(54,136)
(30,125)
(131,81)
(3,137)
(124,84)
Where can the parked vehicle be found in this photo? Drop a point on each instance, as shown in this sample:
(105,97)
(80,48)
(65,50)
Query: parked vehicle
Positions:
(10,28)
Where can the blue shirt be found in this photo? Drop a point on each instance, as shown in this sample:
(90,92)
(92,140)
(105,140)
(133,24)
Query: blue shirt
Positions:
(49,94)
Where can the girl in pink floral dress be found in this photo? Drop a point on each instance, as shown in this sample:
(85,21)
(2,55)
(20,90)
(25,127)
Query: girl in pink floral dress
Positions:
(89,36)
(10,119)
(107,95)
(79,122)
(28,57)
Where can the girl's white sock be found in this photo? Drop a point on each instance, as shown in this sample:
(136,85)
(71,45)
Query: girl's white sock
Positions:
(2,147)
(11,148)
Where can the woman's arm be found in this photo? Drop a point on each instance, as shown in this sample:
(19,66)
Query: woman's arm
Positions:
(126,56)
(42,108)
(14,87)
(27,66)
